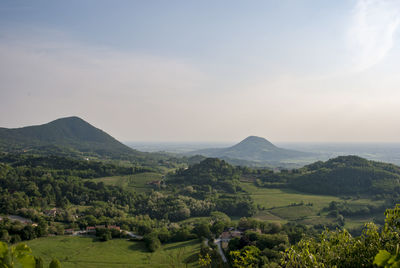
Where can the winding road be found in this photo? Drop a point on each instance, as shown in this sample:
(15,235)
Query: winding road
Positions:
(220,251)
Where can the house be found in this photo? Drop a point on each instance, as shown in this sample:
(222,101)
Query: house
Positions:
(68,231)
(51,213)
(100,227)
(225,236)
(114,227)
(236,234)
(228,235)
(91,230)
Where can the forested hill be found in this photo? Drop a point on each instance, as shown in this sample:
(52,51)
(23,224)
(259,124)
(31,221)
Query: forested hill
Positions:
(254,149)
(216,181)
(347,175)
(63,136)
(211,171)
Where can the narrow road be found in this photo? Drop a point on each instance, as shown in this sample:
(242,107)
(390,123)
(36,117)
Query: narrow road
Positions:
(133,235)
(220,251)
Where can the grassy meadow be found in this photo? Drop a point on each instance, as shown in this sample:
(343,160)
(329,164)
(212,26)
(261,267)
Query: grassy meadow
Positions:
(278,206)
(137,182)
(74,251)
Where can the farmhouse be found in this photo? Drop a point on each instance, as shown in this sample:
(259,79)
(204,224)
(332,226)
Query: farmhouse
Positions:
(69,231)
(52,212)
(114,227)
(91,230)
(228,235)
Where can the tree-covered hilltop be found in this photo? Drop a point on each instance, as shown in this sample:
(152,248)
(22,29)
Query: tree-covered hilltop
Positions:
(210,172)
(72,137)
(217,181)
(70,132)
(348,175)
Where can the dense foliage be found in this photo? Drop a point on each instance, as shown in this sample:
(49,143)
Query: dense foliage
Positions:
(21,256)
(340,249)
(348,175)
(215,181)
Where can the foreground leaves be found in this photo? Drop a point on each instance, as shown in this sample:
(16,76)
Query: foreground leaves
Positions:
(20,254)
(339,249)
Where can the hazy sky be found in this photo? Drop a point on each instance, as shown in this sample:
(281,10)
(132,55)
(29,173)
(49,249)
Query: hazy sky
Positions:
(205,70)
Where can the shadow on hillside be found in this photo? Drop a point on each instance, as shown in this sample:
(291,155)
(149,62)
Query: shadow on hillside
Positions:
(192,258)
(181,245)
(138,247)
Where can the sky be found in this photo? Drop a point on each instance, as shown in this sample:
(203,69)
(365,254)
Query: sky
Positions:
(205,71)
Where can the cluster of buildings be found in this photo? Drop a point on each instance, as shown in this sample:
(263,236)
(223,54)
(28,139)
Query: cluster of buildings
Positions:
(232,233)
(229,234)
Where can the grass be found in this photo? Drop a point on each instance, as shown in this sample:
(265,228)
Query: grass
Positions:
(268,216)
(357,222)
(73,251)
(277,204)
(136,182)
(272,198)
(293,212)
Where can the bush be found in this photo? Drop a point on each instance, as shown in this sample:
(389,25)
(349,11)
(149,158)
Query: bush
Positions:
(152,242)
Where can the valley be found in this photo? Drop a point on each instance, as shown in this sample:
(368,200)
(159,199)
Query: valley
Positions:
(163,209)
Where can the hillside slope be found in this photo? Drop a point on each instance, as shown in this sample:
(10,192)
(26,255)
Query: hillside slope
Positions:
(66,135)
(348,175)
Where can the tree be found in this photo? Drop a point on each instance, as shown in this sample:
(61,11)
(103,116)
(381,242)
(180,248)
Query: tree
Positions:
(152,241)
(39,262)
(5,236)
(20,254)
(103,234)
(338,248)
(246,257)
(202,230)
(204,261)
(387,260)
(55,264)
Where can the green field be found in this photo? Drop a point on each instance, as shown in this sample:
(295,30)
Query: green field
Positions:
(278,205)
(85,252)
(137,182)
(272,198)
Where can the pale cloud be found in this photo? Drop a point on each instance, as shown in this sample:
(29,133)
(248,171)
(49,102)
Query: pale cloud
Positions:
(372,33)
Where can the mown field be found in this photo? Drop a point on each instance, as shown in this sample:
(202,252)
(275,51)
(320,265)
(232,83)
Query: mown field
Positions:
(279,206)
(136,182)
(73,251)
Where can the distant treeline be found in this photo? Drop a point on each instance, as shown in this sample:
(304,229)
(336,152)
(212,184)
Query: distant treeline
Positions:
(70,166)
